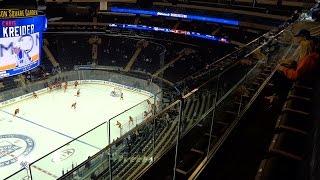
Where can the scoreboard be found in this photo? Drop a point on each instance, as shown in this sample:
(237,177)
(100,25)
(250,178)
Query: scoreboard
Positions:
(20,43)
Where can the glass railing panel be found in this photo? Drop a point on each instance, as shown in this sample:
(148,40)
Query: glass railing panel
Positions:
(129,153)
(129,119)
(166,128)
(23,174)
(162,130)
(193,146)
(132,135)
(198,104)
(94,167)
(239,86)
(132,125)
(72,154)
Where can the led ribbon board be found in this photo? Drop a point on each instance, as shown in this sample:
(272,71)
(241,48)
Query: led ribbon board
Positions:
(167,30)
(20,44)
(176,15)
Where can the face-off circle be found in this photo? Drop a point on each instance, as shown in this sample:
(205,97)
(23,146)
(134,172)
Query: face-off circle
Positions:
(13,146)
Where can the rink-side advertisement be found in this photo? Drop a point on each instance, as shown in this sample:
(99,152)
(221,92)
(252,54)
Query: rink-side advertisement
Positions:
(20,44)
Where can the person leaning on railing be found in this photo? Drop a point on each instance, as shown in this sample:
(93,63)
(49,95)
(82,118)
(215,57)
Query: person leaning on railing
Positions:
(308,60)
(304,48)
(305,68)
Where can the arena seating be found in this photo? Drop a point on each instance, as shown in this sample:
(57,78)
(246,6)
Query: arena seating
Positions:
(8,83)
(116,51)
(289,153)
(149,62)
(227,113)
(70,50)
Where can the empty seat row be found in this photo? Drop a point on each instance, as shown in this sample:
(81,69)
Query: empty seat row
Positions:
(289,151)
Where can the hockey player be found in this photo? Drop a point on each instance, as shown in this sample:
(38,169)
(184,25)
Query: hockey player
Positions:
(34,95)
(76,83)
(119,125)
(65,86)
(74,105)
(16,112)
(130,120)
(121,96)
(78,93)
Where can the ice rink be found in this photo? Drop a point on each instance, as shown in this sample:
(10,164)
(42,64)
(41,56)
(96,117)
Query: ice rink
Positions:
(48,122)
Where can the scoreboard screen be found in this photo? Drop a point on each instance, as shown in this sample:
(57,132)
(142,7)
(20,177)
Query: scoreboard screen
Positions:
(20,44)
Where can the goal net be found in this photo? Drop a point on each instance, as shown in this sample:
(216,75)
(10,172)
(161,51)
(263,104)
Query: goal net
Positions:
(116,92)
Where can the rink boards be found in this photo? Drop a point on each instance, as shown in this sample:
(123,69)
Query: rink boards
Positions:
(70,83)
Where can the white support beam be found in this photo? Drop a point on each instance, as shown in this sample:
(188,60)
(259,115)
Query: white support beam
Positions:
(133,59)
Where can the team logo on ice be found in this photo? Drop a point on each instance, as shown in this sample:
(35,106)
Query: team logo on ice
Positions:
(63,155)
(12,146)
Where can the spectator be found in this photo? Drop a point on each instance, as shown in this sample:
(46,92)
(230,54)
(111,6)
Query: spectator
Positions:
(305,69)
(305,47)
(307,63)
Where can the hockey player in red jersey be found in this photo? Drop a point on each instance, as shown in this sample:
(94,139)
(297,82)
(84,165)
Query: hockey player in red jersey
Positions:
(78,93)
(76,83)
(74,105)
(119,125)
(65,86)
(16,112)
(130,120)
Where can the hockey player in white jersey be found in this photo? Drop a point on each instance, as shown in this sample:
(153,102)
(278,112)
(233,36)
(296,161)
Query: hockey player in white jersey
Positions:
(22,56)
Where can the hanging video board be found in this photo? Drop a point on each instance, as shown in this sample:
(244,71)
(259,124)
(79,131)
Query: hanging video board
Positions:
(20,44)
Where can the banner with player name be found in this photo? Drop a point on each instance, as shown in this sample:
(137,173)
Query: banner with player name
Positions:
(20,44)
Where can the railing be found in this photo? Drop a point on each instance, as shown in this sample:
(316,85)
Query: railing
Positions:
(216,106)
(130,156)
(240,97)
